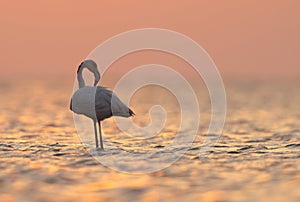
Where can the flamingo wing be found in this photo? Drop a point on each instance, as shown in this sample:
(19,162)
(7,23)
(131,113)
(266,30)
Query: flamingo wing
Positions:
(107,104)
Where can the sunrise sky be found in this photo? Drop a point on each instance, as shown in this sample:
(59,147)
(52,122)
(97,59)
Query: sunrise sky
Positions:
(248,39)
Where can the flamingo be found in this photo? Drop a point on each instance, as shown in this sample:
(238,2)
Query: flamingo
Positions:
(97,102)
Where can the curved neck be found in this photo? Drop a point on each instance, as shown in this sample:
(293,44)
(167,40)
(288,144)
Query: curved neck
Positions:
(80,80)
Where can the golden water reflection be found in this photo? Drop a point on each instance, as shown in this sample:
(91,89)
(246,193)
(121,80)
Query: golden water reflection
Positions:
(257,158)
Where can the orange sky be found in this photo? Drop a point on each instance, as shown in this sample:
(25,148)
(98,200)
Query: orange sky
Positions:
(251,39)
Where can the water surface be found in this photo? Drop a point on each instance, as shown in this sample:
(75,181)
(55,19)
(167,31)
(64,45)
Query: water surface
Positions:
(256,158)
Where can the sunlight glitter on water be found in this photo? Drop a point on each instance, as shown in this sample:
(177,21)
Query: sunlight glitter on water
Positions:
(257,158)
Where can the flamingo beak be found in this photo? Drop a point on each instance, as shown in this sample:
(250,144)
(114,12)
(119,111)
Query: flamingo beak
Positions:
(97,78)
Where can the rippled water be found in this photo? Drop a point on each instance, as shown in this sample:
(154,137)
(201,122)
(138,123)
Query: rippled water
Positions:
(256,158)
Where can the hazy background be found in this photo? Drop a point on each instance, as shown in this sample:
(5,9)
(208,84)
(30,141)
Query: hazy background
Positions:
(246,39)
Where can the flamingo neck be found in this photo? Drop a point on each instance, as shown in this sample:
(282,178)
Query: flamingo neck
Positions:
(80,80)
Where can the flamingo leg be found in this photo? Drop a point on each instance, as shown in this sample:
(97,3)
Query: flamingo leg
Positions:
(96,137)
(100,134)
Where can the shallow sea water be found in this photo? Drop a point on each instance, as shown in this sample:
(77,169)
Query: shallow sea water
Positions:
(256,159)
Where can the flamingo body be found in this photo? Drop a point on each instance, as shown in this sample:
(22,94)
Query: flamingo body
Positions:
(98,103)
